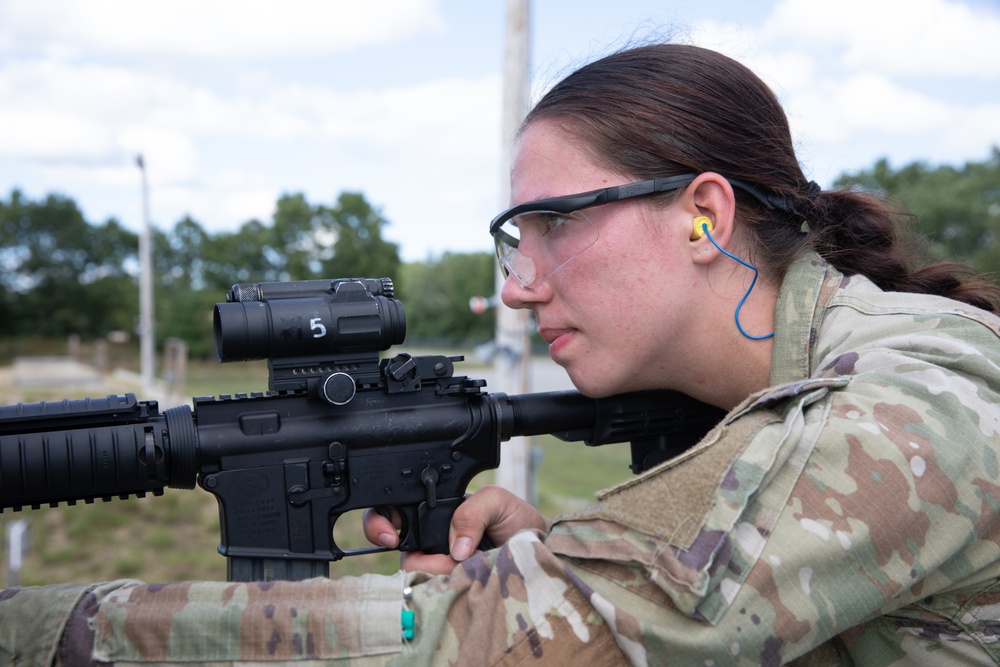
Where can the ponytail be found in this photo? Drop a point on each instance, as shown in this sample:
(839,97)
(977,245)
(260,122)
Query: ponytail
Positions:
(859,233)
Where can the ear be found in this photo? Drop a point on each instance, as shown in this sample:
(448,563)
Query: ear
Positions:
(709,196)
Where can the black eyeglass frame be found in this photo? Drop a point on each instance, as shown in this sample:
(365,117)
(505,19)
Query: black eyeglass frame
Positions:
(571,203)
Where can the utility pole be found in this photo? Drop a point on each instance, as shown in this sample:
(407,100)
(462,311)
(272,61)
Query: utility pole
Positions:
(512,326)
(147,352)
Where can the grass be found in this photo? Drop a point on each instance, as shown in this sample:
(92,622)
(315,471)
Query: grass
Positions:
(174,536)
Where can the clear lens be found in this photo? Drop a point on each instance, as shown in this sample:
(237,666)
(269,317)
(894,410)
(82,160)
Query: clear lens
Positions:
(533,245)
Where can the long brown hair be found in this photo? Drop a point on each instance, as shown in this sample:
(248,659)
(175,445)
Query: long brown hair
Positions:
(664,109)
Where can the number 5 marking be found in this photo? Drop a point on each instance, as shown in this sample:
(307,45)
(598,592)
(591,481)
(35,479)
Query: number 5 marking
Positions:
(316,325)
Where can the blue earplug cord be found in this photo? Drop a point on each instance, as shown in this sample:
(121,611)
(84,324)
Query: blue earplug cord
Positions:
(704,228)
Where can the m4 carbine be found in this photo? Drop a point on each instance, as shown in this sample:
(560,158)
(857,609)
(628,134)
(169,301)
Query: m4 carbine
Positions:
(340,429)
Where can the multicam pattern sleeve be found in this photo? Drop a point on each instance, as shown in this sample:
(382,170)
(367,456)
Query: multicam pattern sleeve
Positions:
(847,515)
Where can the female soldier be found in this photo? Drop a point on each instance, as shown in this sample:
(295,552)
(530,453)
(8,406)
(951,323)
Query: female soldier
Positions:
(664,236)
(847,504)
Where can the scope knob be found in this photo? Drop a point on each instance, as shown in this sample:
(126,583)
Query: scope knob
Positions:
(338,389)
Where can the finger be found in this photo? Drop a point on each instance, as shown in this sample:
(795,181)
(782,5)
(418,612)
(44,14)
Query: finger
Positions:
(418,561)
(491,511)
(380,530)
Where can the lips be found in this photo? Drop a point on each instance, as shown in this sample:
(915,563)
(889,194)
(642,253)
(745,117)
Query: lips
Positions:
(556,338)
(549,334)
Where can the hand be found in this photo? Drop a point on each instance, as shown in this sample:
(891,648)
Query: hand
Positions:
(492,511)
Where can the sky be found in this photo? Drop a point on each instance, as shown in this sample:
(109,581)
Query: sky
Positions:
(234,103)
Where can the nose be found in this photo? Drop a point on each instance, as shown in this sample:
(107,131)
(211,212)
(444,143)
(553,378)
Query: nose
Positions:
(514,295)
(528,262)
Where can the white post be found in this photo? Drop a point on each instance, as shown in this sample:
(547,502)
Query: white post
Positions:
(147,337)
(17,544)
(512,326)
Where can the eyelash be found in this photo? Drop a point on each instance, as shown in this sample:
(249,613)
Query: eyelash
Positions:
(553,222)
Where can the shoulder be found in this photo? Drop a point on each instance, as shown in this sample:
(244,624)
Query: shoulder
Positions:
(868,314)
(920,362)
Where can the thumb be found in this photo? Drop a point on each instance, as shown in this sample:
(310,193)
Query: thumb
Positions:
(468,529)
(491,511)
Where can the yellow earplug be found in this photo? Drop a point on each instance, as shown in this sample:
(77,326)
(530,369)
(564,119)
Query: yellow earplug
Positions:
(699,227)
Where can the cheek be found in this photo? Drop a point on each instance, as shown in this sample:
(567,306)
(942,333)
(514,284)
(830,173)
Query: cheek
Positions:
(612,316)
(612,284)
(635,248)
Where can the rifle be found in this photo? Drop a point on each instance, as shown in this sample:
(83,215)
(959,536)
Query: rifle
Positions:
(339,429)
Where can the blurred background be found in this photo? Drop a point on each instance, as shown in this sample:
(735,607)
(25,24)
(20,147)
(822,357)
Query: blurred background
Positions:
(248,142)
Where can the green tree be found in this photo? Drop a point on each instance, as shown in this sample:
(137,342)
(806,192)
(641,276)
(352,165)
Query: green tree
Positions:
(436,298)
(195,269)
(300,241)
(183,304)
(179,256)
(957,209)
(358,248)
(243,256)
(60,274)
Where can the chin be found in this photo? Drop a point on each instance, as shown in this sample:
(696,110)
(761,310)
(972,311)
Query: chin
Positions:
(595,387)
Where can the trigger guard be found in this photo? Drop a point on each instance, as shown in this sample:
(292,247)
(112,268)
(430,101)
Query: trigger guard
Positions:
(337,553)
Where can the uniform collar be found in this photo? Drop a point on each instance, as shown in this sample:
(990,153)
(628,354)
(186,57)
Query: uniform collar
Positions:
(807,288)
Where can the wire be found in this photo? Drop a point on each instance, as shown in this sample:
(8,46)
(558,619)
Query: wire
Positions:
(736,315)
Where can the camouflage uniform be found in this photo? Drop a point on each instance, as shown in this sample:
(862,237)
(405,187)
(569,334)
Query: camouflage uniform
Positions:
(847,515)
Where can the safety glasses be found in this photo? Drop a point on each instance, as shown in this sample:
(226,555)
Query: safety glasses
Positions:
(535,239)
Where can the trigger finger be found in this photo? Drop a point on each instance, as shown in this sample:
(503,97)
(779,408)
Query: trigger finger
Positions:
(381,526)
(391,514)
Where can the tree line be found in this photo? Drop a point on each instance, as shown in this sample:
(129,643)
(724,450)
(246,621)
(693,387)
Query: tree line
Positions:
(60,274)
(956,209)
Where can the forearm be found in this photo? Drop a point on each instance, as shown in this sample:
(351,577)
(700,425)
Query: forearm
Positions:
(129,621)
(33,620)
(517,601)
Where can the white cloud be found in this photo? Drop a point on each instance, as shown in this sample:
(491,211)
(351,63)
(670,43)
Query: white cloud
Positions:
(258,29)
(868,101)
(88,121)
(917,38)
(865,79)
(911,38)
(175,152)
(439,119)
(50,134)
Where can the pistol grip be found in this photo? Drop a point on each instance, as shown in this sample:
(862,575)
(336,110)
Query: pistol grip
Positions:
(426,528)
